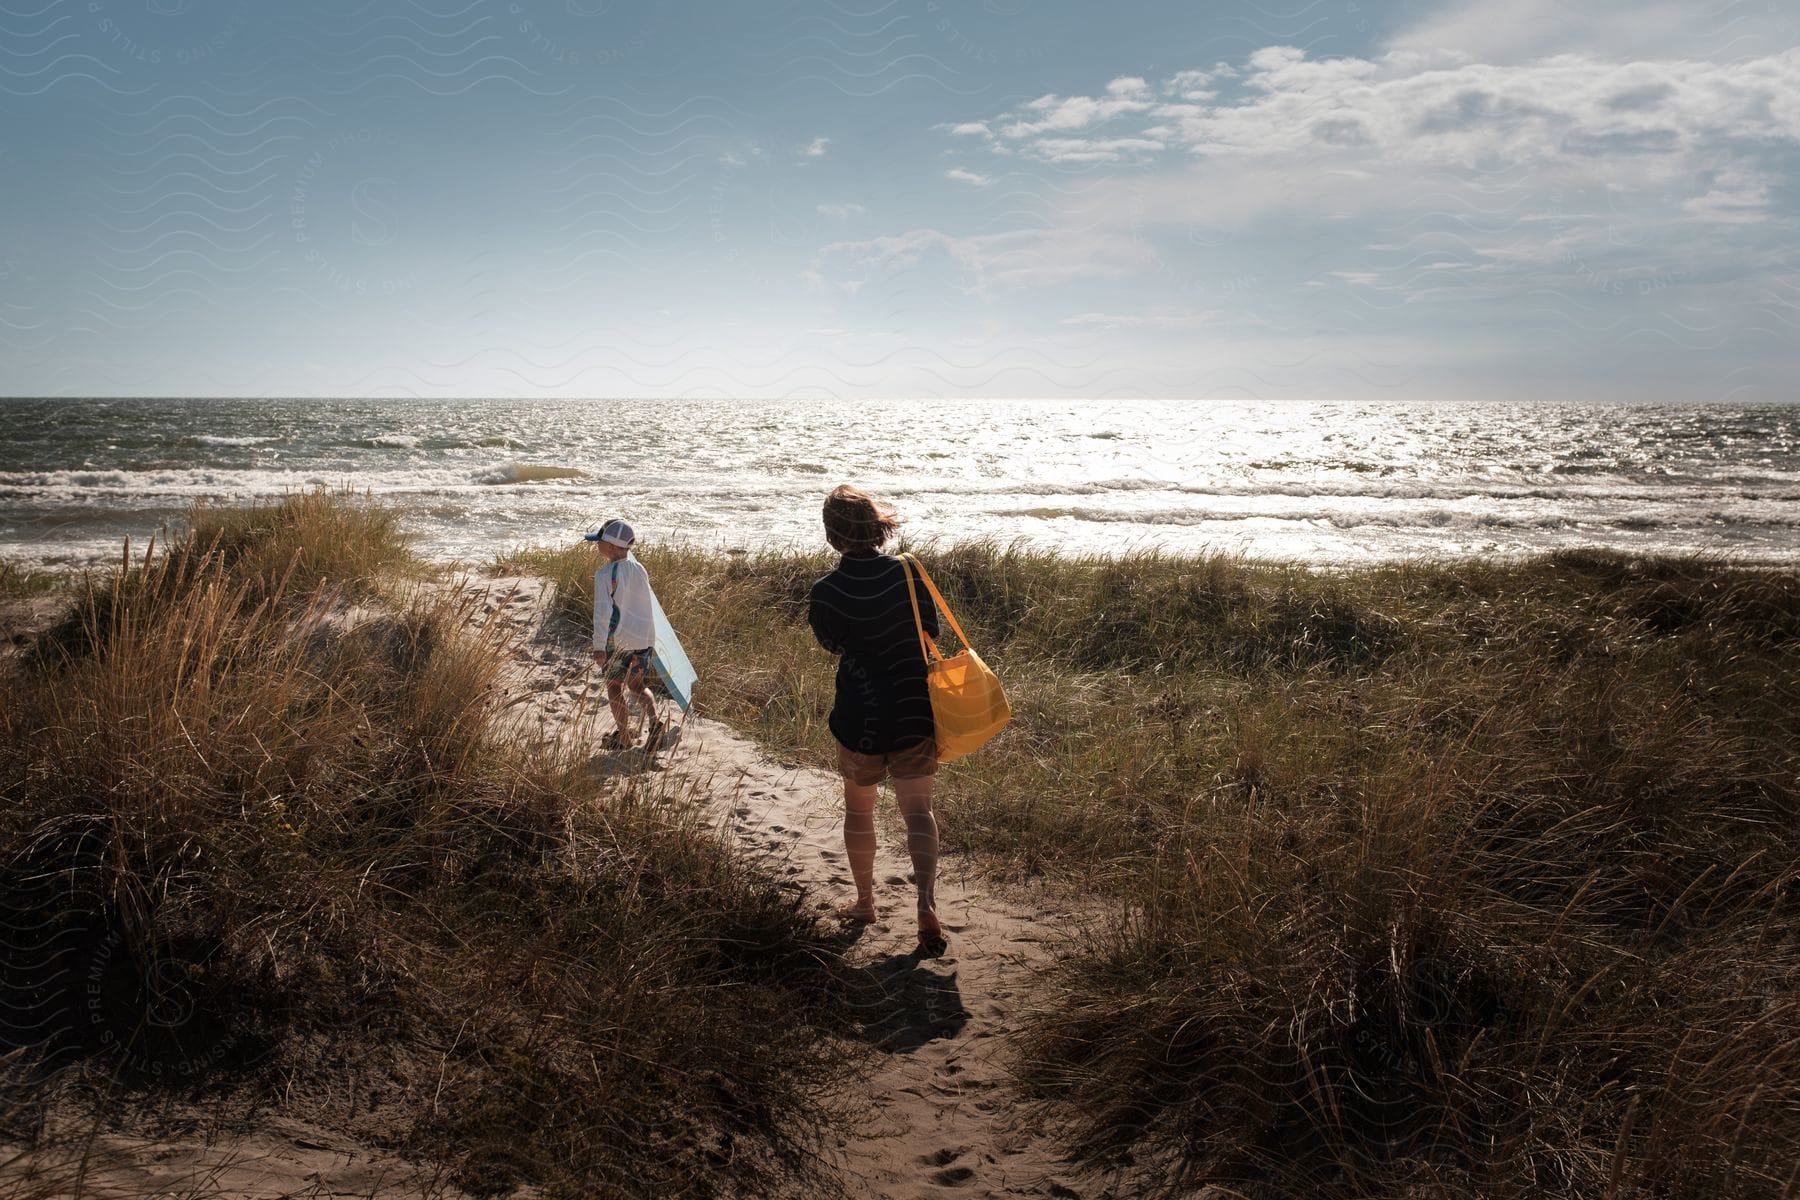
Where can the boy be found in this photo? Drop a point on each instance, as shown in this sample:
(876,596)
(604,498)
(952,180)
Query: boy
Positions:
(624,631)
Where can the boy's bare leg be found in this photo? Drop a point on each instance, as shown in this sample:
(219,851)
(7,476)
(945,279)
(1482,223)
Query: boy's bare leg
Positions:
(615,696)
(859,846)
(648,703)
(922,845)
(638,681)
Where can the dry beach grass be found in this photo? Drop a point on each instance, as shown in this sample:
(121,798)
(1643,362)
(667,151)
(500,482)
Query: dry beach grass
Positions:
(1457,879)
(1461,879)
(263,849)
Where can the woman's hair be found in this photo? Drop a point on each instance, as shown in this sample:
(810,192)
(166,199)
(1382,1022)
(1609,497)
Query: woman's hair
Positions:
(854,522)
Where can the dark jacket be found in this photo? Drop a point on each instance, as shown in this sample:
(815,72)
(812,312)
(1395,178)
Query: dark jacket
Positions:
(860,613)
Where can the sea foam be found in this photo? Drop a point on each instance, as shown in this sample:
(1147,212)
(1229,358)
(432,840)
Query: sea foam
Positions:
(527,473)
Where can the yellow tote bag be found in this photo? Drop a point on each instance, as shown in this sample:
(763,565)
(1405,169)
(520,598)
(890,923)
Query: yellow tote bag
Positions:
(967,704)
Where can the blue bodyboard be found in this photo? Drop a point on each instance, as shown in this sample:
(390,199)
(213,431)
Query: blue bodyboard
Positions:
(670,661)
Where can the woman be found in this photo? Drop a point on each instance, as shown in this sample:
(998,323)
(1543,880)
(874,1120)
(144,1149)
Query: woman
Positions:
(882,716)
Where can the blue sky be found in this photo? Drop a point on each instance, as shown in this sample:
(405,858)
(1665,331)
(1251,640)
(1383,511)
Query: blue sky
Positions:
(1472,199)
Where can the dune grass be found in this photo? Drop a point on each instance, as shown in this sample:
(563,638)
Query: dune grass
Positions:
(1458,879)
(304,541)
(20,581)
(257,842)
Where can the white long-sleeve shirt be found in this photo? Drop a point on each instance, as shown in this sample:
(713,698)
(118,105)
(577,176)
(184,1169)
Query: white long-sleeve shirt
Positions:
(624,586)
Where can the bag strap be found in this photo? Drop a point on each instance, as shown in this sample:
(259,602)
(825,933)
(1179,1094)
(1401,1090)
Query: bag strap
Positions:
(926,645)
(937,597)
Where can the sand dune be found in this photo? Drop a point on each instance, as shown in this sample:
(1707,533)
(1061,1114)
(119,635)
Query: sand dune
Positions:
(935,1114)
(938,1118)
(282,1159)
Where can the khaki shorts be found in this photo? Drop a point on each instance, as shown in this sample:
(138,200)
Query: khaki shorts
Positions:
(917,761)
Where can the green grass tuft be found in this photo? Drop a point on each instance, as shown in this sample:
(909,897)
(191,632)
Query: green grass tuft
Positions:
(18,581)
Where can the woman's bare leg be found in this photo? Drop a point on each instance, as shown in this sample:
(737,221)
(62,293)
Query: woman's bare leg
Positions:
(922,845)
(859,845)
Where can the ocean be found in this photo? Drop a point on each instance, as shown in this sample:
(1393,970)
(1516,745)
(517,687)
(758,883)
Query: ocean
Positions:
(1316,482)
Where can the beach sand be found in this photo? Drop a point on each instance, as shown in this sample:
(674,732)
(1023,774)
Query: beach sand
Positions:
(936,1117)
(281,1159)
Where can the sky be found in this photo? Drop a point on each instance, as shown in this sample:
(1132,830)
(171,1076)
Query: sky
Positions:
(1463,200)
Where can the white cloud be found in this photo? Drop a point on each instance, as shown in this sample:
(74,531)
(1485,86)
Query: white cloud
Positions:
(743,154)
(1402,110)
(1736,197)
(1026,258)
(816,147)
(1153,319)
(841,212)
(1518,31)
(972,177)
(970,129)
(1346,133)
(1273,59)
(1190,85)
(1060,114)
(1416,179)
(1097,150)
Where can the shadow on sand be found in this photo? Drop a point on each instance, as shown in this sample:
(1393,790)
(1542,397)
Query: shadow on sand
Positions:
(904,1004)
(614,763)
(635,760)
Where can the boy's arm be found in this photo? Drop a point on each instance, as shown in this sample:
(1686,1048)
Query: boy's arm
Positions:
(637,627)
(602,615)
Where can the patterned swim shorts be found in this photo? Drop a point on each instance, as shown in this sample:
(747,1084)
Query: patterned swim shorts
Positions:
(627,665)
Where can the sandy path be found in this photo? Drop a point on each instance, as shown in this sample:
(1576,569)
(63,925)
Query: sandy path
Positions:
(282,1160)
(940,1121)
